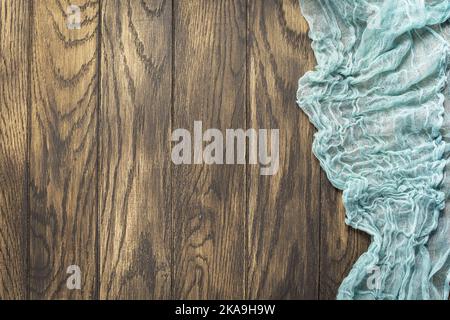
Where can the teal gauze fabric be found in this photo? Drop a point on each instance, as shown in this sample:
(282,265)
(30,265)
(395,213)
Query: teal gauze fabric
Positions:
(380,102)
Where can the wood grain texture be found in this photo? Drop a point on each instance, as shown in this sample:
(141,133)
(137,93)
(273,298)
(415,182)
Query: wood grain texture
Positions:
(283,227)
(209,201)
(135,217)
(14,33)
(63,151)
(86,176)
(340,246)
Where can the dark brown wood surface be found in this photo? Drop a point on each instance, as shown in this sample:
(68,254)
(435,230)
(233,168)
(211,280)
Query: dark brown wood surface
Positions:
(14,37)
(86,176)
(284,211)
(135,115)
(63,150)
(209,201)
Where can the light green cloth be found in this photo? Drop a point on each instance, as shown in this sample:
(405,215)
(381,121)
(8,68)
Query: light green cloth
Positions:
(377,99)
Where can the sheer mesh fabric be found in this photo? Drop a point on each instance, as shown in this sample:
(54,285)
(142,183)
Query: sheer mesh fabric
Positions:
(380,102)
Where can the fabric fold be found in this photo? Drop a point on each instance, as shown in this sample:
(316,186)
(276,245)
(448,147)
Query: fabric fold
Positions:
(378,98)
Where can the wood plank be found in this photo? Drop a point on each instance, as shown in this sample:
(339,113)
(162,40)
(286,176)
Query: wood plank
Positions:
(341,245)
(14,34)
(284,209)
(135,218)
(209,200)
(63,151)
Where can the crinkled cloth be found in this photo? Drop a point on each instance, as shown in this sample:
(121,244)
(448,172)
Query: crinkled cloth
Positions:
(379,100)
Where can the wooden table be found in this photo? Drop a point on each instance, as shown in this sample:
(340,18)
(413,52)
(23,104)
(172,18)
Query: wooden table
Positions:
(86,178)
